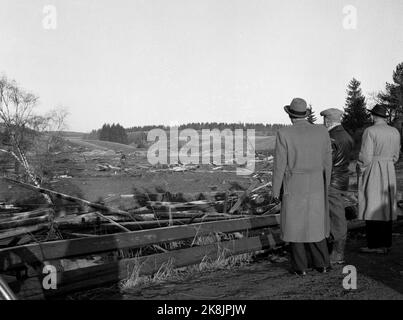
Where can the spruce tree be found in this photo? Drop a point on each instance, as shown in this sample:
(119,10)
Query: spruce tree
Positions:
(311,117)
(392,97)
(356,115)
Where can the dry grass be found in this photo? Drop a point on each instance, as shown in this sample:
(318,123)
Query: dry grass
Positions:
(165,272)
(168,272)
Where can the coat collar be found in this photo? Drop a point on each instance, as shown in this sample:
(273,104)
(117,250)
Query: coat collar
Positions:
(301,122)
(337,128)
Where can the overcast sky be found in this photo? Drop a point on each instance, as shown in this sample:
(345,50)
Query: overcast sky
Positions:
(176,61)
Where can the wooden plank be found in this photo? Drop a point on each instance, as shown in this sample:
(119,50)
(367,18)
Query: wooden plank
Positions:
(36,253)
(99,275)
(23,223)
(25,215)
(141,225)
(5,292)
(178,215)
(23,230)
(178,206)
(112,222)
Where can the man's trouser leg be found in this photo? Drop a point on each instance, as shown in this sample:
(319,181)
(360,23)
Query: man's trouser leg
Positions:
(379,234)
(338,223)
(309,255)
(319,254)
(299,259)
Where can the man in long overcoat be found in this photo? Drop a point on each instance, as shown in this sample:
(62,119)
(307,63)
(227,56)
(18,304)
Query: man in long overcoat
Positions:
(377,184)
(301,176)
(342,146)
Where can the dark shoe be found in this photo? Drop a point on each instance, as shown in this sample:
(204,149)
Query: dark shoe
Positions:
(323,269)
(299,273)
(374,250)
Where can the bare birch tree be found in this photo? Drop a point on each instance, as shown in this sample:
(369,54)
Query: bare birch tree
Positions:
(16,116)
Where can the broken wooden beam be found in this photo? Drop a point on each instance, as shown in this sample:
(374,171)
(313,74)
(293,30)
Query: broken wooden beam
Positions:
(10,224)
(22,230)
(26,215)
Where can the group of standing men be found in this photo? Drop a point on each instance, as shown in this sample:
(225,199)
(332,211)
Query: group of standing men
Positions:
(311,172)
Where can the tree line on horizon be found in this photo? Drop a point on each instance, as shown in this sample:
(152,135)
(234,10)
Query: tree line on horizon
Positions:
(109,132)
(137,134)
(259,127)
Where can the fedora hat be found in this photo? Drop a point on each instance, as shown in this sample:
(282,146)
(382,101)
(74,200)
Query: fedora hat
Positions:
(297,108)
(379,110)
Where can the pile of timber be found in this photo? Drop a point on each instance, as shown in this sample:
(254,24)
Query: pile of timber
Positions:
(18,226)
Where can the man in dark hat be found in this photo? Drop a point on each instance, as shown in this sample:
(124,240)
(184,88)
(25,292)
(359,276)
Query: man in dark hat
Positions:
(377,188)
(301,175)
(342,146)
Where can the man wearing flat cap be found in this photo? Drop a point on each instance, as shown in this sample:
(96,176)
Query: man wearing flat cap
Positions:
(377,184)
(342,146)
(301,175)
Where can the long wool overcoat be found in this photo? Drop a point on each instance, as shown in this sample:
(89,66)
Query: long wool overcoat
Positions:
(302,169)
(377,184)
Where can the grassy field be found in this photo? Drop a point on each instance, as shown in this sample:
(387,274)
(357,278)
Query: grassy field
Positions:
(79,163)
(103,145)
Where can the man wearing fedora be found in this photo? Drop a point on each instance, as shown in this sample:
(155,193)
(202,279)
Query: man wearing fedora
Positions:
(377,184)
(301,175)
(342,146)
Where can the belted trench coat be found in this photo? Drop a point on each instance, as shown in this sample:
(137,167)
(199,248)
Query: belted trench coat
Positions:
(377,183)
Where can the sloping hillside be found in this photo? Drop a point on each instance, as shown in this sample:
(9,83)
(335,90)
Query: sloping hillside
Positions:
(103,145)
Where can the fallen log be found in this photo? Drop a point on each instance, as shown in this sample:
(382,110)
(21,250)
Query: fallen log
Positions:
(180,205)
(23,223)
(25,215)
(23,230)
(179,196)
(113,222)
(75,199)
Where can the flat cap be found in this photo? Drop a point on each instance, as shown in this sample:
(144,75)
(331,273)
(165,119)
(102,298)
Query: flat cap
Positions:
(332,114)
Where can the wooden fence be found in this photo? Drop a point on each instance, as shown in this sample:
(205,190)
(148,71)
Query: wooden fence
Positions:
(22,266)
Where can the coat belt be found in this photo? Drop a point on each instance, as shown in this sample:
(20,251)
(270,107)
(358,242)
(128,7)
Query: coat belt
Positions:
(305,171)
(380,158)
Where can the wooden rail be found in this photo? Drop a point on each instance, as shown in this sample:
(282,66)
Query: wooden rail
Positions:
(38,253)
(259,232)
(33,257)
